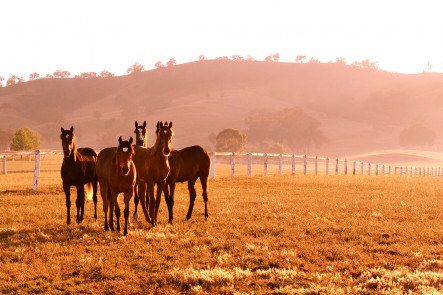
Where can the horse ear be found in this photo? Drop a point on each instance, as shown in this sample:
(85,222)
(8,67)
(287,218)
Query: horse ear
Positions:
(130,140)
(120,140)
(170,124)
(136,124)
(62,129)
(72,129)
(161,124)
(144,124)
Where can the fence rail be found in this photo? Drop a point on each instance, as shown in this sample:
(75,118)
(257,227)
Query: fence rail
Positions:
(315,165)
(263,163)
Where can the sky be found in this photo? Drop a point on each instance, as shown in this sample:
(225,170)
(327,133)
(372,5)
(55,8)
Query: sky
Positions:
(92,35)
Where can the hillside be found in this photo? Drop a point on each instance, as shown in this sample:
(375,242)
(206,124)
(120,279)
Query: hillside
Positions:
(360,110)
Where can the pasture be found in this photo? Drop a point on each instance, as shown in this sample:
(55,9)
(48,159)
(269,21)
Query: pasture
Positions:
(264,235)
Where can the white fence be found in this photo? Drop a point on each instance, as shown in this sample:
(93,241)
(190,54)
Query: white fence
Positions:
(262,163)
(304,164)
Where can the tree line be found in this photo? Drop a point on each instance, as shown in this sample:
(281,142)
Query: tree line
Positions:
(138,67)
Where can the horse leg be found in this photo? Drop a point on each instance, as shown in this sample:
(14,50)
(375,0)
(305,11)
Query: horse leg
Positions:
(192,196)
(142,194)
(136,200)
(152,202)
(94,196)
(67,189)
(204,182)
(111,209)
(169,189)
(105,198)
(117,211)
(80,202)
(128,196)
(158,198)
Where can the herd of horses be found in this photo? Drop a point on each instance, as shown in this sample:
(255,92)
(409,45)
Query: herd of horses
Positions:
(132,170)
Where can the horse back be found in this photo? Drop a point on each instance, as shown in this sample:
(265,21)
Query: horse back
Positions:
(189,163)
(87,152)
(104,164)
(80,170)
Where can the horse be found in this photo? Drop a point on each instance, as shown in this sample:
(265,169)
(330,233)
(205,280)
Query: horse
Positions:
(188,164)
(152,169)
(141,134)
(116,174)
(141,139)
(78,169)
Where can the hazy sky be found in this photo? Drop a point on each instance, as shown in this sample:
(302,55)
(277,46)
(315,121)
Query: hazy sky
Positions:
(90,35)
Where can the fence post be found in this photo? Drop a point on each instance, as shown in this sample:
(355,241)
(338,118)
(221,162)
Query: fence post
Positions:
(249,155)
(36,170)
(265,165)
(232,164)
(305,165)
(345,169)
(293,164)
(212,172)
(4,165)
(327,166)
(369,169)
(376,169)
(336,167)
(280,164)
(354,168)
(383,170)
(362,166)
(316,166)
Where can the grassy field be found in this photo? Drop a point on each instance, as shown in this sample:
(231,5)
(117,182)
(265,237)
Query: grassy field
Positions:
(265,235)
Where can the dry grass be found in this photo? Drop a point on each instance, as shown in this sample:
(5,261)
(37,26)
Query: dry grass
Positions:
(264,235)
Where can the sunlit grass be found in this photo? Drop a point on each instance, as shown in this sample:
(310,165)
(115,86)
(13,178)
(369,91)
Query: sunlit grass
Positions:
(276,234)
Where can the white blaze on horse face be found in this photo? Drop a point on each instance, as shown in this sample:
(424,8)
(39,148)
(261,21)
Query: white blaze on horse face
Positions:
(125,149)
(165,131)
(67,136)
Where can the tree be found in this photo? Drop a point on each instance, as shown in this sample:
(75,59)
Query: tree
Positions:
(159,65)
(201,57)
(230,140)
(135,69)
(290,126)
(25,139)
(105,74)
(276,57)
(34,76)
(12,80)
(340,61)
(417,135)
(61,74)
(1,81)
(300,58)
(268,58)
(171,62)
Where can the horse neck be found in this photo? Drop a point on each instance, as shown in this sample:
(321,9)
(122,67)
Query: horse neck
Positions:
(73,155)
(157,147)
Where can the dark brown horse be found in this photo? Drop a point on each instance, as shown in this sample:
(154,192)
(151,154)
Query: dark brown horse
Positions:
(78,169)
(152,169)
(188,164)
(141,139)
(141,134)
(116,174)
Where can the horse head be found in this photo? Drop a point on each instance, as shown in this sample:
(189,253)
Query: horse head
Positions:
(125,151)
(68,141)
(141,134)
(164,136)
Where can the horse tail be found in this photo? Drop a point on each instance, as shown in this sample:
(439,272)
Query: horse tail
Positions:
(89,191)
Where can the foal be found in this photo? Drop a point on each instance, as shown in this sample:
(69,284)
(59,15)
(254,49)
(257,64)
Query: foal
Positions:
(152,169)
(116,174)
(188,164)
(78,169)
(141,139)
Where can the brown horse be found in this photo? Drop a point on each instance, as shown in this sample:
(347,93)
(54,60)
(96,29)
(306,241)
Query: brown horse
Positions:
(116,174)
(141,134)
(141,139)
(78,169)
(188,164)
(153,168)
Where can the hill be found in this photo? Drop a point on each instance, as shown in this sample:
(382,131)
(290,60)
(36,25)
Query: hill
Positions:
(360,110)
